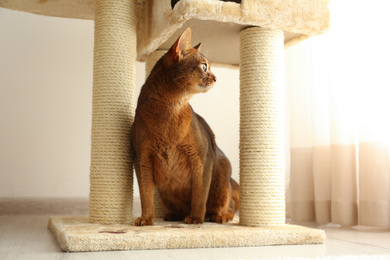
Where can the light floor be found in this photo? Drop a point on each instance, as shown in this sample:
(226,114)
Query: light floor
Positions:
(24,235)
(27,237)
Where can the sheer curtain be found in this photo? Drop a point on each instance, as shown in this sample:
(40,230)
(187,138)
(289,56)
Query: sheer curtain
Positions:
(338,100)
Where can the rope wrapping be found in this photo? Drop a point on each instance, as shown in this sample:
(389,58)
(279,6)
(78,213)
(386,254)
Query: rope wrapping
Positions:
(262,159)
(152,60)
(159,210)
(113,107)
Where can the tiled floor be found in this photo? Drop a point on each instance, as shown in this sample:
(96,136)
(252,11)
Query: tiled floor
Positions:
(27,237)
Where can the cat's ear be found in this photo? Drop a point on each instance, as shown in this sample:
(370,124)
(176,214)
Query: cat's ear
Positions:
(197,47)
(175,54)
(184,41)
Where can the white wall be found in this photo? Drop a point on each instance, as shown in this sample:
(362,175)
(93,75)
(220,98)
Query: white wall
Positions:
(45,106)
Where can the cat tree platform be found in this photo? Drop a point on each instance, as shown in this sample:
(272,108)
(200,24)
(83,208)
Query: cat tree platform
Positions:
(253,35)
(76,234)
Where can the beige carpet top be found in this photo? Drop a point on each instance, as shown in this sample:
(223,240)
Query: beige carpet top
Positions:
(75,234)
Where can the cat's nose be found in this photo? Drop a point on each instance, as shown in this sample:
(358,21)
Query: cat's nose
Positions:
(214,78)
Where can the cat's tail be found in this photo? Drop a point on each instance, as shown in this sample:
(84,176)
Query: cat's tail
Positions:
(235,194)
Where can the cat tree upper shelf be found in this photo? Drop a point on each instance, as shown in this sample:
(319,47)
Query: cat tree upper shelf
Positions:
(215,23)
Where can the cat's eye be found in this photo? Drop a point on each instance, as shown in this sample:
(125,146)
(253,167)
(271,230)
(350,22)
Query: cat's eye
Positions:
(204,67)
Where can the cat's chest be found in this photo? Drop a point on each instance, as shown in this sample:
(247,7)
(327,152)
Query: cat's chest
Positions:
(172,164)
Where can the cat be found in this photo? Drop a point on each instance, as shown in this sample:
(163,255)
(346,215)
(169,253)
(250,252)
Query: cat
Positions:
(174,148)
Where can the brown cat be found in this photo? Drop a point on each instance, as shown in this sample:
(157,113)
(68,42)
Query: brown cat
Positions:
(174,148)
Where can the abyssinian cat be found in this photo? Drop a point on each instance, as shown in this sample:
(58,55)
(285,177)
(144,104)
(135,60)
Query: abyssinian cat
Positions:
(174,149)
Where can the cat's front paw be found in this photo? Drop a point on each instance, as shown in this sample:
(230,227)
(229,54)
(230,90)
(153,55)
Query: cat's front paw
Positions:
(192,220)
(222,219)
(141,221)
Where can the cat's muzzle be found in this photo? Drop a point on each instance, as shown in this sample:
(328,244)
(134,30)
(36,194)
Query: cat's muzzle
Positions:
(209,83)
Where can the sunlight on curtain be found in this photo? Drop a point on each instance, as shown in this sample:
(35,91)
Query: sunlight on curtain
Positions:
(338,95)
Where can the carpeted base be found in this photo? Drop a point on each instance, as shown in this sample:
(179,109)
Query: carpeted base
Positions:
(75,234)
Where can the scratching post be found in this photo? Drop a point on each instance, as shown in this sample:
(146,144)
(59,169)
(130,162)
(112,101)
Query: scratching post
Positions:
(113,105)
(262,198)
(150,62)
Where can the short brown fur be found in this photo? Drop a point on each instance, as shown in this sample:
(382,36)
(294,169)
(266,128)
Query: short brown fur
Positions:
(174,148)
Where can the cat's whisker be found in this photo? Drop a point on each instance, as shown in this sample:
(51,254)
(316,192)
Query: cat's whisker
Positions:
(179,77)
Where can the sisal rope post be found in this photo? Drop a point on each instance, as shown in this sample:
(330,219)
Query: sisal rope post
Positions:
(152,59)
(262,161)
(113,107)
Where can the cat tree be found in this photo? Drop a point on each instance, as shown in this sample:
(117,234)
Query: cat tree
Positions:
(251,34)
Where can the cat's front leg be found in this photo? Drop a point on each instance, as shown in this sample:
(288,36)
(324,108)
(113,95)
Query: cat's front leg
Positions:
(201,178)
(146,185)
